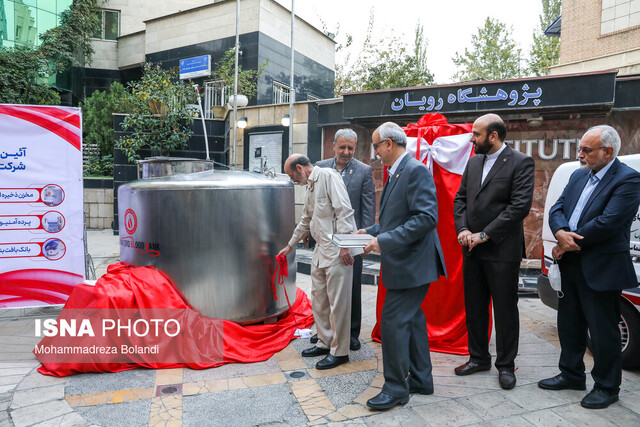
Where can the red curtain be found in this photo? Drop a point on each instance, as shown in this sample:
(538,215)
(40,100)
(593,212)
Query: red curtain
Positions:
(444,304)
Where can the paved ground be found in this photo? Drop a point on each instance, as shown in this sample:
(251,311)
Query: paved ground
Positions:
(286,389)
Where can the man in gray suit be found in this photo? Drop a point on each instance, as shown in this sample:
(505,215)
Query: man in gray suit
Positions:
(494,197)
(411,258)
(358,178)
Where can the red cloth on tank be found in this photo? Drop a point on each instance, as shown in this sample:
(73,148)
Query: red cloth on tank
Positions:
(202,342)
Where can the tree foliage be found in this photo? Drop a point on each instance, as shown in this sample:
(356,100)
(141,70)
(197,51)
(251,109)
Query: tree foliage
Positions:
(97,126)
(382,63)
(545,50)
(247,79)
(24,70)
(23,73)
(494,55)
(161,117)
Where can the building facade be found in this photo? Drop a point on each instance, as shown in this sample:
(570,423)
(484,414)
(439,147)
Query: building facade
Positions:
(167,31)
(599,35)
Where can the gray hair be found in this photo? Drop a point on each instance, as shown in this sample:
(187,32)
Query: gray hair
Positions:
(393,132)
(609,138)
(347,134)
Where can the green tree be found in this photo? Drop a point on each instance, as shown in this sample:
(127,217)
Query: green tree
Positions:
(247,79)
(545,50)
(494,55)
(24,70)
(23,73)
(160,119)
(97,126)
(383,63)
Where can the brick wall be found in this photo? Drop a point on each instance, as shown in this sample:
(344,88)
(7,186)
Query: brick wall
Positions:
(581,38)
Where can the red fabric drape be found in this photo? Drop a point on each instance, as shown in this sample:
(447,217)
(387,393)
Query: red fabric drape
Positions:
(444,303)
(202,343)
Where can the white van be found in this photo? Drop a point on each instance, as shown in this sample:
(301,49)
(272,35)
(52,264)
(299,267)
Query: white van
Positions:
(630,299)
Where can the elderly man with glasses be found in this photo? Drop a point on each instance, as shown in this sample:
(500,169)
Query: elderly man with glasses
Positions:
(592,222)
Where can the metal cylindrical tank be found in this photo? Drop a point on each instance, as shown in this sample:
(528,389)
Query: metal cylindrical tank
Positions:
(216,235)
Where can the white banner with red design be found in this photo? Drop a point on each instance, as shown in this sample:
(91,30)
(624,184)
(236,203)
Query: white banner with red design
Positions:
(41,219)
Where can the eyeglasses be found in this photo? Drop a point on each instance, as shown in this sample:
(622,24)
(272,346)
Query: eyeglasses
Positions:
(375,144)
(587,150)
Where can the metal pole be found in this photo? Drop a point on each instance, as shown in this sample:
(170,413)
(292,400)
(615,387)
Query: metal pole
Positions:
(292,92)
(204,128)
(235,83)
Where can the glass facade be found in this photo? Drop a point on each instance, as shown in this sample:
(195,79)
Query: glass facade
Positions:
(23,21)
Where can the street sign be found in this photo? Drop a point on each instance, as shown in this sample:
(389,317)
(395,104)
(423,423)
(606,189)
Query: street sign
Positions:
(198,66)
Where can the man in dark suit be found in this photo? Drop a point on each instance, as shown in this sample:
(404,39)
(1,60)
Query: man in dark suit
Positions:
(411,258)
(494,197)
(358,178)
(592,222)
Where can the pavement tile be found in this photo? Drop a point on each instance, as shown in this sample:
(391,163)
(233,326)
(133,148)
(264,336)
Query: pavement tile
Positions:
(44,394)
(507,422)
(367,394)
(166,410)
(347,368)
(619,415)
(274,404)
(491,405)
(111,381)
(446,413)
(582,417)
(4,419)
(289,359)
(168,376)
(130,414)
(399,416)
(232,370)
(354,411)
(33,414)
(546,418)
(90,399)
(35,379)
(312,399)
(630,401)
(532,398)
(266,379)
(5,400)
(343,389)
(68,420)
(15,371)
(119,396)
(10,379)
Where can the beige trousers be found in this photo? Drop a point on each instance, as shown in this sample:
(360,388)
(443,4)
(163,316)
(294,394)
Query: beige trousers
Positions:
(331,305)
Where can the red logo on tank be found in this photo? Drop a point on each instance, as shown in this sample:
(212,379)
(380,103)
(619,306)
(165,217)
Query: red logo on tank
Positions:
(130,221)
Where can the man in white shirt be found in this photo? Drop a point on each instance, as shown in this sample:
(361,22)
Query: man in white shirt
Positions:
(327,210)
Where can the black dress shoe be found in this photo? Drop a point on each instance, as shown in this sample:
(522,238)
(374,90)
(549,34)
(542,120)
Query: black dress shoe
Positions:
(314,351)
(471,368)
(331,361)
(560,382)
(313,339)
(384,401)
(354,344)
(507,378)
(599,399)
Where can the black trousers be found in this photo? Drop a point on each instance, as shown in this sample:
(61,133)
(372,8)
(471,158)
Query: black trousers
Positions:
(356,297)
(405,343)
(486,281)
(582,308)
